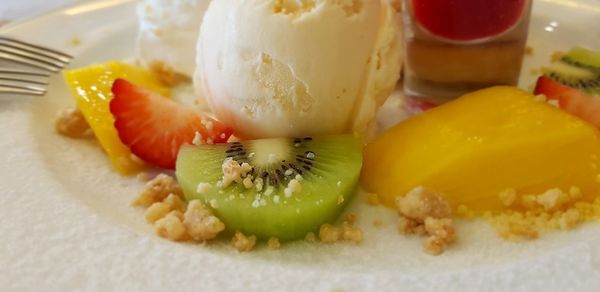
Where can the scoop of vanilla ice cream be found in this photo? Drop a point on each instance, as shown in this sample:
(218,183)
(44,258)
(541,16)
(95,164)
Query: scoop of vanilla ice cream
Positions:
(168,33)
(285,68)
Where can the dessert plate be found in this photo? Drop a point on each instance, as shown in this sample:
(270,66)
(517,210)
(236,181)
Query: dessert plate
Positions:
(67,224)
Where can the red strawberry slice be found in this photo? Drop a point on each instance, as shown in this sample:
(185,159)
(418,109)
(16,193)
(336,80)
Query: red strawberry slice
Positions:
(570,100)
(465,20)
(154,127)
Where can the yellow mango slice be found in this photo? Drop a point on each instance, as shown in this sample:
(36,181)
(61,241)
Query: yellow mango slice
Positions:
(91,88)
(482,144)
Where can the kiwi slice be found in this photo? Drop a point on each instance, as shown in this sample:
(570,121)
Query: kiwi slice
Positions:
(577,69)
(583,58)
(292,186)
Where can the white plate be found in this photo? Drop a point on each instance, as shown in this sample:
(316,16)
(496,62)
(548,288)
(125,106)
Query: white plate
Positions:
(66,224)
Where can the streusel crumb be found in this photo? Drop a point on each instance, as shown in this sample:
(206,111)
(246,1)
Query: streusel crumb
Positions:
(310,237)
(242,242)
(200,222)
(157,190)
(425,212)
(352,234)
(157,211)
(170,226)
(72,123)
(175,202)
(273,243)
(329,233)
(421,203)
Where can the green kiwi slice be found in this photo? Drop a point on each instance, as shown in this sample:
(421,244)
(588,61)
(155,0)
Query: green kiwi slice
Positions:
(292,185)
(579,69)
(583,58)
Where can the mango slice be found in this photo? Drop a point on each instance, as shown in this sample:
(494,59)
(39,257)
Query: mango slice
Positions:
(91,88)
(482,144)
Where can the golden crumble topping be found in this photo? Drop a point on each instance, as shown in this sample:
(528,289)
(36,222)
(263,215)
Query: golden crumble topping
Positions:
(200,222)
(71,123)
(273,243)
(425,212)
(329,233)
(242,242)
(170,226)
(157,189)
(157,211)
(310,237)
(348,232)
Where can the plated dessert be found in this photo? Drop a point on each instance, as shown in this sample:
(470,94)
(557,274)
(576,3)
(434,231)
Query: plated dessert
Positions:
(293,88)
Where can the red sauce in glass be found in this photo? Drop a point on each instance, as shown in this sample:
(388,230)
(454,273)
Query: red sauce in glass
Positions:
(465,20)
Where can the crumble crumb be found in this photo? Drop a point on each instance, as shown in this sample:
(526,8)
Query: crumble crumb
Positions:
(310,237)
(528,51)
(175,202)
(329,233)
(554,209)
(425,212)
(157,189)
(71,123)
(273,243)
(351,233)
(203,187)
(170,226)
(233,171)
(373,199)
(293,186)
(340,200)
(348,232)
(441,235)
(242,242)
(200,222)
(166,75)
(420,203)
(156,211)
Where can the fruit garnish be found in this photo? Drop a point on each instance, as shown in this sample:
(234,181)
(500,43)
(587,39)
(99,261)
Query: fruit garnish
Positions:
(575,82)
(467,19)
(154,127)
(282,188)
(570,99)
(474,148)
(91,88)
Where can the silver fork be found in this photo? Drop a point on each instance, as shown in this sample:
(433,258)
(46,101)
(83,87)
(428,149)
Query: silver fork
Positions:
(23,82)
(28,82)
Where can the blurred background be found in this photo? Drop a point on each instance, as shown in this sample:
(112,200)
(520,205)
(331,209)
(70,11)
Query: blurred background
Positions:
(11,10)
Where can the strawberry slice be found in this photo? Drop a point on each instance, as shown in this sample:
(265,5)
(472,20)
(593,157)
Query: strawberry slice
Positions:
(154,127)
(570,100)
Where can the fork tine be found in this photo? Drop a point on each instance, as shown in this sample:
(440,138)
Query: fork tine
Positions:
(20,80)
(30,56)
(23,90)
(29,62)
(8,48)
(15,42)
(23,72)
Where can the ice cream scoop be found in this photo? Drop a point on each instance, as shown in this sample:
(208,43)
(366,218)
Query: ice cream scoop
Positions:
(303,67)
(168,33)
